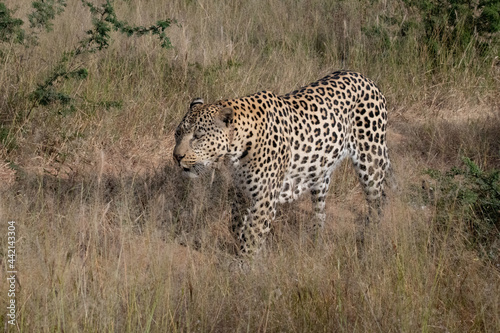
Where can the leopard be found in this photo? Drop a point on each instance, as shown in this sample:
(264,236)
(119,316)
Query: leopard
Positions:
(278,147)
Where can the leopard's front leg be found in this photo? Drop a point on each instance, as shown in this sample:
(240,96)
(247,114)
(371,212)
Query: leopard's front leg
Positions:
(256,204)
(252,222)
(250,235)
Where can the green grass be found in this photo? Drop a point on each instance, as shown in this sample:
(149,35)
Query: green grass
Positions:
(111,238)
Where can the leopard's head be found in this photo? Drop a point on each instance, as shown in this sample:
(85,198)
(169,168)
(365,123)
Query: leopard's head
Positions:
(202,137)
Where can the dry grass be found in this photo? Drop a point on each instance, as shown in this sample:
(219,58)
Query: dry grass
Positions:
(110,238)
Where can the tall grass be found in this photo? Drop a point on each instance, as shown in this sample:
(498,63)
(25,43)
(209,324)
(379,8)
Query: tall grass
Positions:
(111,238)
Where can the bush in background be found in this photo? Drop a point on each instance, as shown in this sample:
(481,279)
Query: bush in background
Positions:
(471,195)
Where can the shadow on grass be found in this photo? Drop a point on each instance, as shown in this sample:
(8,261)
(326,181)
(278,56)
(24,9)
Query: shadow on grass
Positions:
(444,143)
(173,205)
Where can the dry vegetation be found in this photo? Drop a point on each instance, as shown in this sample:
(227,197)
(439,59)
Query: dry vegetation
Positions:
(111,238)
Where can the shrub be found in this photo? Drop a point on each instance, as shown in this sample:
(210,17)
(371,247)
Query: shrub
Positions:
(457,24)
(472,195)
(104,20)
(10,27)
(44,12)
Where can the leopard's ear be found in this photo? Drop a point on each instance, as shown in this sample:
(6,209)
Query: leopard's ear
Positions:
(195,102)
(225,115)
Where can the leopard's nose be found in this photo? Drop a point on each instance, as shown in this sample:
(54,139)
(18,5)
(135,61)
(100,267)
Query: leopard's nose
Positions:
(178,158)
